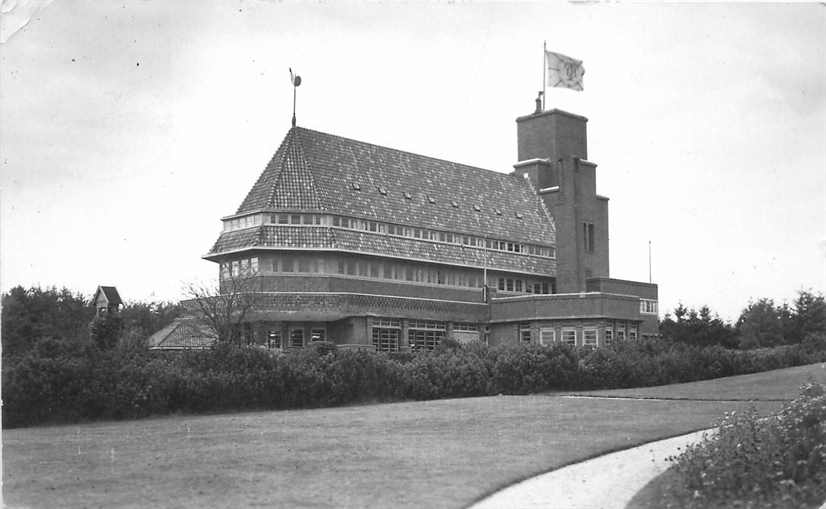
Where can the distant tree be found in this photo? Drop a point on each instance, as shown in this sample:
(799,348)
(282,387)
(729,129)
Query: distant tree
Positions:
(105,330)
(763,324)
(34,313)
(809,315)
(702,328)
(226,306)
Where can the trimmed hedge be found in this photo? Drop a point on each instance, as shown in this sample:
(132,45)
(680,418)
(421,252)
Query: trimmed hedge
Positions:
(58,383)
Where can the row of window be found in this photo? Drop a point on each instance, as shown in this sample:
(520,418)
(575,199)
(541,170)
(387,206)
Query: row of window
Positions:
(295,337)
(568,336)
(442,236)
(525,286)
(388,229)
(236,268)
(648,306)
(409,272)
(378,270)
(386,333)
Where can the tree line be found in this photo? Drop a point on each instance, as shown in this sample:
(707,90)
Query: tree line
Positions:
(61,316)
(761,324)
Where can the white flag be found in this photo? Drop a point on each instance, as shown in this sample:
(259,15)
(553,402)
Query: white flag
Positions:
(563,71)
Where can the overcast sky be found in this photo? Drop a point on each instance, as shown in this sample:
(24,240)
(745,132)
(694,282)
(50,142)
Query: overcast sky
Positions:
(128,129)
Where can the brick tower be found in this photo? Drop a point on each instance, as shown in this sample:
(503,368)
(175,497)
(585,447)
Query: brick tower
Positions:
(553,152)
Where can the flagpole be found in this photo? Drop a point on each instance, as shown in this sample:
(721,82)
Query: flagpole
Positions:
(544,72)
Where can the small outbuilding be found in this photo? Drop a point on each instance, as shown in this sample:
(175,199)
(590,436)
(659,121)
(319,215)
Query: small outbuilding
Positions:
(107,300)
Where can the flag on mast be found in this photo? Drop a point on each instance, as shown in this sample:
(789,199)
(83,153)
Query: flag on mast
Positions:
(563,71)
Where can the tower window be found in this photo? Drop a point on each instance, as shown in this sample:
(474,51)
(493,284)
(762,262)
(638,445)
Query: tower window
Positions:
(588,236)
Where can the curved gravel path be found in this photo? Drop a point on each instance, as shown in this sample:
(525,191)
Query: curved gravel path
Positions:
(604,482)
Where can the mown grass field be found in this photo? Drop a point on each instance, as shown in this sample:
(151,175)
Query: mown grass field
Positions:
(781,384)
(445,453)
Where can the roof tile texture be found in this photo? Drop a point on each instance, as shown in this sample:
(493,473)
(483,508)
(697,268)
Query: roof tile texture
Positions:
(313,170)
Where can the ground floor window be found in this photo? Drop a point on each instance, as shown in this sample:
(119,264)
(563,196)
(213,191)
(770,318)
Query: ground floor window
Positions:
(632,333)
(589,338)
(386,339)
(296,338)
(525,334)
(547,336)
(569,336)
(318,334)
(274,339)
(608,336)
(620,335)
(422,338)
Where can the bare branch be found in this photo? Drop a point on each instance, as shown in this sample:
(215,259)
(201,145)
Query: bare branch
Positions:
(225,307)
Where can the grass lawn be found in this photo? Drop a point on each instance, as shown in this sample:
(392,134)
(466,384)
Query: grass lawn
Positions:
(780,384)
(444,453)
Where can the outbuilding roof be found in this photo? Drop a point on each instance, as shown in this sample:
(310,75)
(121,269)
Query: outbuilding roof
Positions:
(110,293)
(182,334)
(315,171)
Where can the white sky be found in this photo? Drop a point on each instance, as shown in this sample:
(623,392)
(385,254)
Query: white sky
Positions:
(128,129)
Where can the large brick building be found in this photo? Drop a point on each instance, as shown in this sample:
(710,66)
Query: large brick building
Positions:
(360,244)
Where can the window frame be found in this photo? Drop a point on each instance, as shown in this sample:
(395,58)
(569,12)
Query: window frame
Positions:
(585,340)
(291,340)
(543,331)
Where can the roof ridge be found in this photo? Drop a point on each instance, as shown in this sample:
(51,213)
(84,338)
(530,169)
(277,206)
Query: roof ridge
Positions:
(280,167)
(406,152)
(252,199)
(320,196)
(542,205)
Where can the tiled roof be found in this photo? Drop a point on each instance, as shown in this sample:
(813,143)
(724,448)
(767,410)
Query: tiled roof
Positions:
(286,182)
(183,333)
(111,294)
(380,244)
(313,170)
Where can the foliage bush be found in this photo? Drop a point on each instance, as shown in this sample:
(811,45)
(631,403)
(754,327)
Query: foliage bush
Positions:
(64,381)
(753,462)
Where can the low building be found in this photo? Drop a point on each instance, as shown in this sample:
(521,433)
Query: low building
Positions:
(184,333)
(107,300)
(345,241)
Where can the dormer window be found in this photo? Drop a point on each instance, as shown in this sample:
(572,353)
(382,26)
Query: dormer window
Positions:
(498,212)
(431,199)
(408,196)
(454,205)
(382,191)
(355,186)
(519,215)
(477,208)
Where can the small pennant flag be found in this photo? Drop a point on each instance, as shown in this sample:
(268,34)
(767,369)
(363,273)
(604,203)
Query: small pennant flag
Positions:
(563,71)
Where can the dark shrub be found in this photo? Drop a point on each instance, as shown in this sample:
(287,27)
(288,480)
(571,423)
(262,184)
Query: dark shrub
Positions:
(755,462)
(60,381)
